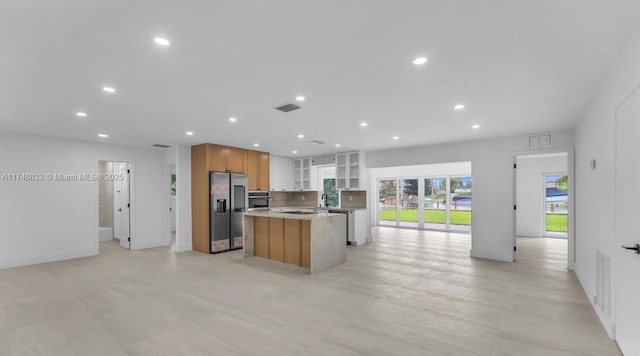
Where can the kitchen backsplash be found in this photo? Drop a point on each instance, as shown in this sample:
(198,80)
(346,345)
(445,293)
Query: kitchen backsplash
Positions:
(353,199)
(294,199)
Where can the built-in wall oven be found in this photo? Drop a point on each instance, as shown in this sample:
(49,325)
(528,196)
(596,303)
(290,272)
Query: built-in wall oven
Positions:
(259,200)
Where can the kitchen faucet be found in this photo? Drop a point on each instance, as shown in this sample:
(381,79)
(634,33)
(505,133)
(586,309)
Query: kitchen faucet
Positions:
(325,199)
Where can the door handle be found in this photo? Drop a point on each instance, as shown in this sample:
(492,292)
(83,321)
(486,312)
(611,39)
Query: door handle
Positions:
(636,248)
(119,209)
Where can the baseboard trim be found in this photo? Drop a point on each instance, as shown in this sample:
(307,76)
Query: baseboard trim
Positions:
(608,325)
(36,260)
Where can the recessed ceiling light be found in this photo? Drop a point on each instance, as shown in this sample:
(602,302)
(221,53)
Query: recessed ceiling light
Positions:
(337,145)
(233,119)
(108,89)
(81,114)
(420,60)
(256,145)
(103,135)
(476,126)
(363,124)
(295,152)
(396,137)
(189,133)
(161,41)
(459,107)
(300,136)
(300,98)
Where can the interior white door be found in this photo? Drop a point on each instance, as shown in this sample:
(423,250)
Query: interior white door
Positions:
(627,212)
(121,205)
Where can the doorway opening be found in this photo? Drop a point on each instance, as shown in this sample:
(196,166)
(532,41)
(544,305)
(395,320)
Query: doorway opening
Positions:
(556,205)
(543,209)
(114,202)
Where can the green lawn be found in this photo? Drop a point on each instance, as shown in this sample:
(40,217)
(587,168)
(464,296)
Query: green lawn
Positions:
(458,217)
(557,222)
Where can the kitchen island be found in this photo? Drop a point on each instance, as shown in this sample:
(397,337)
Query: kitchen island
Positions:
(314,240)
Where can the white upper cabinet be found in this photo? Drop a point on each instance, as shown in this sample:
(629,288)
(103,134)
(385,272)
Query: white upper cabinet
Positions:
(348,166)
(281,179)
(302,174)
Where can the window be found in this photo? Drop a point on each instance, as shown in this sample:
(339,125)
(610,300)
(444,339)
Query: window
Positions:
(434,203)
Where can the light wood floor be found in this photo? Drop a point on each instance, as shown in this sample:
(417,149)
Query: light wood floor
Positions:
(408,293)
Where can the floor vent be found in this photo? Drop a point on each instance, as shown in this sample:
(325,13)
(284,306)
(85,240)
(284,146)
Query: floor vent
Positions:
(157,145)
(603,283)
(288,107)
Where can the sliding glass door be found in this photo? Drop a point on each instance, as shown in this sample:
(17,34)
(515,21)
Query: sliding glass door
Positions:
(433,203)
(387,202)
(408,216)
(460,206)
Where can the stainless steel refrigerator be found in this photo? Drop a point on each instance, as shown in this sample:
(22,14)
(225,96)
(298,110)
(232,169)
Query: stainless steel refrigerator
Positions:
(227,202)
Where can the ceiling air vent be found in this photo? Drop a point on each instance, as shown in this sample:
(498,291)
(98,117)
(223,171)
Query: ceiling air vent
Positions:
(157,145)
(288,107)
(316,142)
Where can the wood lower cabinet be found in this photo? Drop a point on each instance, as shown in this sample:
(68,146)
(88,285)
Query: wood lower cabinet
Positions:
(284,240)
(276,239)
(292,241)
(261,237)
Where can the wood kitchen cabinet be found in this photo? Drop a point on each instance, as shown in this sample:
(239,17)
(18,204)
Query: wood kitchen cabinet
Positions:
(209,157)
(226,159)
(258,170)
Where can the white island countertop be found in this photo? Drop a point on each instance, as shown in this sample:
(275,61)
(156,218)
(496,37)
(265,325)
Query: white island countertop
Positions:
(299,214)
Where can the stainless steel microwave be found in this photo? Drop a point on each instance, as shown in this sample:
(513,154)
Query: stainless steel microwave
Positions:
(259,200)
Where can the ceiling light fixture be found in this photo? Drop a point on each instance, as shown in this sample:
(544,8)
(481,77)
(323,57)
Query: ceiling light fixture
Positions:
(300,98)
(103,135)
(295,152)
(256,145)
(458,107)
(81,114)
(476,126)
(420,61)
(233,119)
(363,124)
(337,145)
(396,137)
(300,136)
(189,133)
(108,90)
(161,41)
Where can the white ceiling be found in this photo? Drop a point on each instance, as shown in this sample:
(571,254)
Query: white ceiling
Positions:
(519,67)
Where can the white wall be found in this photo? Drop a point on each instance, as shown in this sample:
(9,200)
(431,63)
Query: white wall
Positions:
(423,170)
(50,221)
(530,191)
(183,199)
(595,139)
(493,183)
